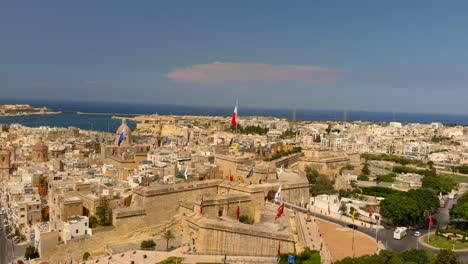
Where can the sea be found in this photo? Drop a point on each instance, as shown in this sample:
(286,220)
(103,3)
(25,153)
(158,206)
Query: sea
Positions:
(104,122)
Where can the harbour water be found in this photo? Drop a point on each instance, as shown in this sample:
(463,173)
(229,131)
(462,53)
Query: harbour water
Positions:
(104,122)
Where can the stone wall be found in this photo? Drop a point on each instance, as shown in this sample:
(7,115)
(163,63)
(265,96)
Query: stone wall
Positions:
(161,202)
(49,242)
(211,237)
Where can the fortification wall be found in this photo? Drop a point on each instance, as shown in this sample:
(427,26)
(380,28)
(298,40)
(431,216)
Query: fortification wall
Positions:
(161,202)
(211,238)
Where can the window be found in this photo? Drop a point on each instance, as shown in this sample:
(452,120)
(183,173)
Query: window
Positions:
(86,232)
(76,231)
(86,224)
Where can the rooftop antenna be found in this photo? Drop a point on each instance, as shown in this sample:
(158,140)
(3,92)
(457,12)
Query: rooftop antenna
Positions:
(345,116)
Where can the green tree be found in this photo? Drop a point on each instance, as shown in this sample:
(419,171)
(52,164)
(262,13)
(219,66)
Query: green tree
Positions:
(86,256)
(147,244)
(425,199)
(390,177)
(440,183)
(463,198)
(31,253)
(400,209)
(93,221)
(460,212)
(17,232)
(447,257)
(417,256)
(365,169)
(288,134)
(168,236)
(323,185)
(311,174)
(379,191)
(363,177)
(104,212)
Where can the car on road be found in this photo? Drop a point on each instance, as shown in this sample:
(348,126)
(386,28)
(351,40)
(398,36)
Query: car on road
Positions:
(417,233)
(352,226)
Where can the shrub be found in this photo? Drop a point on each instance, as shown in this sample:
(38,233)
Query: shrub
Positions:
(86,256)
(148,244)
(246,220)
(31,253)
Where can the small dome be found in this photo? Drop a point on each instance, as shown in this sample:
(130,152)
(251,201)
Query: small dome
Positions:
(127,135)
(122,126)
(40,146)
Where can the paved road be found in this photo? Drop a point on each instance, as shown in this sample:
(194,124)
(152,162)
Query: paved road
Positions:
(3,244)
(385,236)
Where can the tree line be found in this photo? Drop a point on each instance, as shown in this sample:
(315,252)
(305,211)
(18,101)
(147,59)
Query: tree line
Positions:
(414,256)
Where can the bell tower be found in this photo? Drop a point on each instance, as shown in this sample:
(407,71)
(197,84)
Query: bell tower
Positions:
(4,165)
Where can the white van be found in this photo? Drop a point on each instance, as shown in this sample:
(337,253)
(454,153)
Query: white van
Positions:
(400,232)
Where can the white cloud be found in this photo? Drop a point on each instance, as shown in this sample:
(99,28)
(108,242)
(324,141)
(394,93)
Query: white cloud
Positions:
(234,72)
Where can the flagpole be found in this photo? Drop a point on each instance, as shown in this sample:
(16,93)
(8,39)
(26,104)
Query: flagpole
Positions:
(429,234)
(237,110)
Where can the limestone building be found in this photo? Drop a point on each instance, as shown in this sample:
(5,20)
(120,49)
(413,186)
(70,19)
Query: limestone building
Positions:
(40,152)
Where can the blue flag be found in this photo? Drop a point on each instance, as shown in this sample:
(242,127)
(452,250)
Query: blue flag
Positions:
(251,172)
(121,137)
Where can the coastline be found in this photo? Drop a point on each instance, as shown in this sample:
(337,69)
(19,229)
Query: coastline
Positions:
(30,114)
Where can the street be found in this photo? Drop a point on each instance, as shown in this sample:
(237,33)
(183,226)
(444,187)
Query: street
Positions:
(3,244)
(385,236)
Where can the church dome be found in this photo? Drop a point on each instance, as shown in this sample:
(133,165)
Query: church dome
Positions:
(40,146)
(122,127)
(127,135)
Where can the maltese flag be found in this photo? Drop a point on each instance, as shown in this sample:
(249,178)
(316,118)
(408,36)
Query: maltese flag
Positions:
(234,116)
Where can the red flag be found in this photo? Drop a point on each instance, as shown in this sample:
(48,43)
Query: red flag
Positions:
(280,211)
(234,116)
(201,206)
(370,211)
(279,249)
(431,222)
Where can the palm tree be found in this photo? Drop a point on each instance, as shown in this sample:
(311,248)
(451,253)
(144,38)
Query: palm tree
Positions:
(168,235)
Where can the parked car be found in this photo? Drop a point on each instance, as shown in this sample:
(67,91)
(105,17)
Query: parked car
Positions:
(352,226)
(417,233)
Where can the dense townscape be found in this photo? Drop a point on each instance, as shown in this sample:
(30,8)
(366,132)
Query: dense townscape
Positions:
(200,189)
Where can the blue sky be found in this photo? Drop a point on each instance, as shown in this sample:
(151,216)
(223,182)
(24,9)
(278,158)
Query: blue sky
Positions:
(357,55)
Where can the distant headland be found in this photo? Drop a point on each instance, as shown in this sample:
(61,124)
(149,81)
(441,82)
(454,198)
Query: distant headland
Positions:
(24,110)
